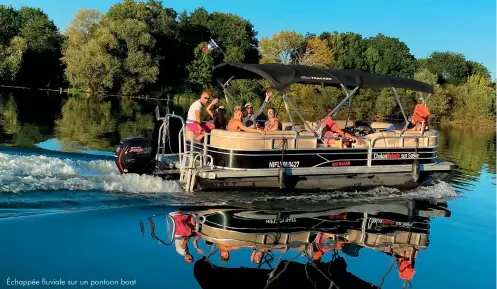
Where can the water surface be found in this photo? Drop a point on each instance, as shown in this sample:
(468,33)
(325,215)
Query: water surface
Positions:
(66,214)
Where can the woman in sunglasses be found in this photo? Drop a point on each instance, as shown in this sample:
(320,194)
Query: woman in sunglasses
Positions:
(272,122)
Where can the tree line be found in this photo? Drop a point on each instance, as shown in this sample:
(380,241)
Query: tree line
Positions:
(144,48)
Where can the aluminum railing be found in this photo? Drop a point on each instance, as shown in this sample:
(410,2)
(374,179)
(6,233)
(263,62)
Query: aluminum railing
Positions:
(277,139)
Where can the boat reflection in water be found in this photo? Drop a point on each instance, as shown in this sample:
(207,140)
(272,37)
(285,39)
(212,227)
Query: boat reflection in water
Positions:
(287,249)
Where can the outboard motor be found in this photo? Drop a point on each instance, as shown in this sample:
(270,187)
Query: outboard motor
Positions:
(136,155)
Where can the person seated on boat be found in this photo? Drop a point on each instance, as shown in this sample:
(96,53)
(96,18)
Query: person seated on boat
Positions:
(332,130)
(420,114)
(224,251)
(219,117)
(257,255)
(235,124)
(324,242)
(406,263)
(250,120)
(193,122)
(184,229)
(272,122)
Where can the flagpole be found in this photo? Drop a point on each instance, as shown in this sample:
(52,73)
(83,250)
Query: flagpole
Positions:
(219,48)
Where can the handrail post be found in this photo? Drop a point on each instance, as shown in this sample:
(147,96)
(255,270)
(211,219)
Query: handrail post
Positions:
(206,137)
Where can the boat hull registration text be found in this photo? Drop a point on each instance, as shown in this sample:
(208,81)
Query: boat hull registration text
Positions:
(280,164)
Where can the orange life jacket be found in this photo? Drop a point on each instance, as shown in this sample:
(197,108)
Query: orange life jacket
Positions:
(421,113)
(406,270)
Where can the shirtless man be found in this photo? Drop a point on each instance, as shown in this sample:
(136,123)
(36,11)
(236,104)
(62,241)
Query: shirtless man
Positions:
(235,124)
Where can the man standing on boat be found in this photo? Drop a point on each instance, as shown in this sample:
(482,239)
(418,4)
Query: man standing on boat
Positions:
(193,122)
(251,119)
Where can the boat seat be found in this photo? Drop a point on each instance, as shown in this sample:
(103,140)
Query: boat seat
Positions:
(341,123)
(392,139)
(380,126)
(253,140)
(262,240)
(430,139)
(400,239)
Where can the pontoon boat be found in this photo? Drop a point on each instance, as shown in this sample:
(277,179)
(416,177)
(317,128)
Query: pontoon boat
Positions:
(293,158)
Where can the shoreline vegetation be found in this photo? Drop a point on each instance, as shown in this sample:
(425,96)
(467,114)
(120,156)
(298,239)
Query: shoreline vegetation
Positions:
(146,49)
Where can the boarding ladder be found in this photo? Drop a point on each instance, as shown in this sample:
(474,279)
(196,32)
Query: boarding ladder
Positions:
(190,161)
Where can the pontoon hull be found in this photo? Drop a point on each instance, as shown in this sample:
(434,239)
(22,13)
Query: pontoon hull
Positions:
(321,182)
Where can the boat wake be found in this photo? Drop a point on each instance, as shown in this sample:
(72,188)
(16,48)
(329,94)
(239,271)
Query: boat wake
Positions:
(25,173)
(40,181)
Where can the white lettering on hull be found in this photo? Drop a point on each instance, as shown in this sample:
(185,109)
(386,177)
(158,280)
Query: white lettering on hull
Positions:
(395,156)
(295,164)
(275,221)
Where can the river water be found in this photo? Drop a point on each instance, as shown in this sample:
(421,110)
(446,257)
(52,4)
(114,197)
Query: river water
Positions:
(68,218)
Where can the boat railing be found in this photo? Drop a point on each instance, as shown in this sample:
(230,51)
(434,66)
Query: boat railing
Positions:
(198,155)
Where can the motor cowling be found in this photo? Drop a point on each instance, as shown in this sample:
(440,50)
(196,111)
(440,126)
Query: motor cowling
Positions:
(135,156)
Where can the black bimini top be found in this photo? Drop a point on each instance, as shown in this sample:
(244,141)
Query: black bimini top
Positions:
(281,76)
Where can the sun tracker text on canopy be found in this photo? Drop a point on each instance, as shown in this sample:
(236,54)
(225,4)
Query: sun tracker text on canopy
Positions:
(281,76)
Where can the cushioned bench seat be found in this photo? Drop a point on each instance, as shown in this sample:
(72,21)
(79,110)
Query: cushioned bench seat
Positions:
(253,140)
(409,141)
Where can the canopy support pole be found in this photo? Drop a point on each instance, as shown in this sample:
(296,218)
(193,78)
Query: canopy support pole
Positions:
(286,98)
(288,111)
(350,106)
(226,93)
(425,100)
(400,104)
(349,95)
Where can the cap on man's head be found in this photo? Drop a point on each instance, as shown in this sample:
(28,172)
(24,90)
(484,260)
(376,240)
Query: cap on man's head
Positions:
(247,104)
(220,108)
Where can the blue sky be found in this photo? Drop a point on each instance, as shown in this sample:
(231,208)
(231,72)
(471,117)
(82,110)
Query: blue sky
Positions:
(467,27)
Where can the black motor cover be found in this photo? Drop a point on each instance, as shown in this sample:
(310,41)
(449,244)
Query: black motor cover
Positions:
(135,155)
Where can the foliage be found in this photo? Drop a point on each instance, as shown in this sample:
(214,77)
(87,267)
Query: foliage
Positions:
(284,47)
(144,48)
(9,116)
(475,102)
(290,47)
(389,56)
(448,66)
(11,57)
(347,48)
(86,121)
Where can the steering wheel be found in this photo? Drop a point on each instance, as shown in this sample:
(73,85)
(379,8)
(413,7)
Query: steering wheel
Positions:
(363,130)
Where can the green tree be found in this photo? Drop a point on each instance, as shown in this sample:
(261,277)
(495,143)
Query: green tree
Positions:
(450,67)
(475,102)
(43,50)
(440,102)
(234,34)
(283,47)
(388,56)
(200,69)
(348,50)
(9,119)
(9,24)
(316,53)
(89,65)
(477,68)
(11,58)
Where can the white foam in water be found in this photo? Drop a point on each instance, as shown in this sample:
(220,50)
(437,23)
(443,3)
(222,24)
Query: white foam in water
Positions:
(19,173)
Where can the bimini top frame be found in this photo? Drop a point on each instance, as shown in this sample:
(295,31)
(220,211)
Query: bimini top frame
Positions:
(282,76)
